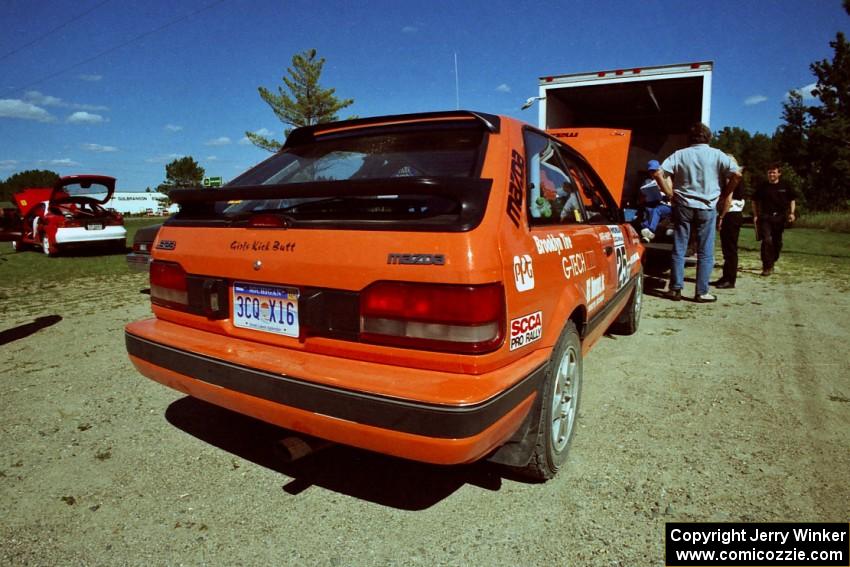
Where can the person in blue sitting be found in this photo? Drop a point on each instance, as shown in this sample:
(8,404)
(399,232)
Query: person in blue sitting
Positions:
(656,204)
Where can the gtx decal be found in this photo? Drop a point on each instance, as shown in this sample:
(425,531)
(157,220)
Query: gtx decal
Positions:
(516,188)
(166,245)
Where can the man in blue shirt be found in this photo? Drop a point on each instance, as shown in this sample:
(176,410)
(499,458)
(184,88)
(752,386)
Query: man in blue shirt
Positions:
(697,173)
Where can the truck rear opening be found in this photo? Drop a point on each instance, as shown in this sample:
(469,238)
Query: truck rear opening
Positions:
(658,104)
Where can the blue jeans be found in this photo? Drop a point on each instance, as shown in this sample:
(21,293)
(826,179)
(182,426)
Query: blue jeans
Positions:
(703,221)
(655,215)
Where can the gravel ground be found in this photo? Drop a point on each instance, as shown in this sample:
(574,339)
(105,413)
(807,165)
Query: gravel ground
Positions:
(737,411)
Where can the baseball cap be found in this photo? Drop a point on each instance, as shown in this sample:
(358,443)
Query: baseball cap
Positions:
(653,165)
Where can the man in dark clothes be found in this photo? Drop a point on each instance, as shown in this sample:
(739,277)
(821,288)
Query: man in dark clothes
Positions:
(773,205)
(730,228)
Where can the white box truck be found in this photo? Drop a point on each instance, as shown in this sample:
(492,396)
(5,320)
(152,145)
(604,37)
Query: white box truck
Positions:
(656,104)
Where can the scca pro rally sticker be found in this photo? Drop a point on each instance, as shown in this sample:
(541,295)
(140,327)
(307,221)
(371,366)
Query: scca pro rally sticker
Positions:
(526,330)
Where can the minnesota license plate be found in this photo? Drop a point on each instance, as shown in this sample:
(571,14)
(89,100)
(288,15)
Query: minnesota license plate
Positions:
(268,308)
(94,226)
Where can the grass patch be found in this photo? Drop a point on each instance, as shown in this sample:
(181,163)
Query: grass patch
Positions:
(34,268)
(807,253)
(833,222)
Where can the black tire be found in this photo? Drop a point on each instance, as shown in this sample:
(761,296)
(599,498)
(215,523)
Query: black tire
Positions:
(561,392)
(629,320)
(18,246)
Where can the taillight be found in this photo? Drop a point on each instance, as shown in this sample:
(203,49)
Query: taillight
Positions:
(168,285)
(453,318)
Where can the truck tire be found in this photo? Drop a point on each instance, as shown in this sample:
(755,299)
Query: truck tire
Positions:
(560,391)
(629,320)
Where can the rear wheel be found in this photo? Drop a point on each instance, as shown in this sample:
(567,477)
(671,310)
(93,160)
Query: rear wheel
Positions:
(560,391)
(18,246)
(628,321)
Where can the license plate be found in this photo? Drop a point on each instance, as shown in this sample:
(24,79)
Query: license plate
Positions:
(267,308)
(94,227)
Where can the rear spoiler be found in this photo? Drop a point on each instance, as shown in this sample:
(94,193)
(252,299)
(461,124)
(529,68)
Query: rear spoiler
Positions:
(308,134)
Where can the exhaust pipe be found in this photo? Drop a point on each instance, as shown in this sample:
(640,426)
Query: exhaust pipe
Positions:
(290,449)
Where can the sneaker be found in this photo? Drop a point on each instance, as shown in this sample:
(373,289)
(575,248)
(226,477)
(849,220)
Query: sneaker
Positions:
(673,294)
(724,285)
(646,234)
(705,298)
(767,271)
(717,282)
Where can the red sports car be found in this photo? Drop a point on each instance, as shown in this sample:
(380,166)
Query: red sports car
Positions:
(70,214)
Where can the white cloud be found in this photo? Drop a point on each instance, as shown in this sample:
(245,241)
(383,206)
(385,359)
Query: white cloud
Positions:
(220,141)
(265,132)
(164,158)
(64,162)
(82,117)
(90,78)
(806,92)
(754,100)
(504,88)
(409,29)
(99,149)
(212,158)
(35,97)
(14,108)
(173,127)
(8,164)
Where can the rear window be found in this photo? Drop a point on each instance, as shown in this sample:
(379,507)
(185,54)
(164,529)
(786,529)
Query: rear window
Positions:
(418,153)
(426,174)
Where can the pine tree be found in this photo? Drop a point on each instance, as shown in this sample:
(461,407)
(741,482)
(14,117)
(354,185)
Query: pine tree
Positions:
(791,138)
(304,102)
(180,174)
(829,135)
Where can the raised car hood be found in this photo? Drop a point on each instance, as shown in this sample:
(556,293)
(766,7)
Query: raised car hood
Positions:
(29,198)
(607,150)
(97,187)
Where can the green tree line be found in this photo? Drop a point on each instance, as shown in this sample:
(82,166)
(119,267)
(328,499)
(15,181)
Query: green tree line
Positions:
(813,141)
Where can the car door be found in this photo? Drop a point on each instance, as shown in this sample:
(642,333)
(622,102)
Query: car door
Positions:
(563,234)
(604,216)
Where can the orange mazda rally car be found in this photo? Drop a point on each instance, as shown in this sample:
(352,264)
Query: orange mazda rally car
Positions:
(421,285)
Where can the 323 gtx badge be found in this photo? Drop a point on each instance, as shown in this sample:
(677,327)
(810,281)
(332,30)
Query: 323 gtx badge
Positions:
(526,330)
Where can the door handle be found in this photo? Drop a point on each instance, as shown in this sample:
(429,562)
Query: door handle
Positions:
(609,250)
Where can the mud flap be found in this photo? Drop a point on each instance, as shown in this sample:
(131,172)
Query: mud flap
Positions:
(517,451)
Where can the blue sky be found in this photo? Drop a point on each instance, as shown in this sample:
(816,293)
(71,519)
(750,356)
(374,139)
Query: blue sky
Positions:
(121,88)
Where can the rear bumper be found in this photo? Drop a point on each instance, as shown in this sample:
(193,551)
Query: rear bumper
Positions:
(423,431)
(81,235)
